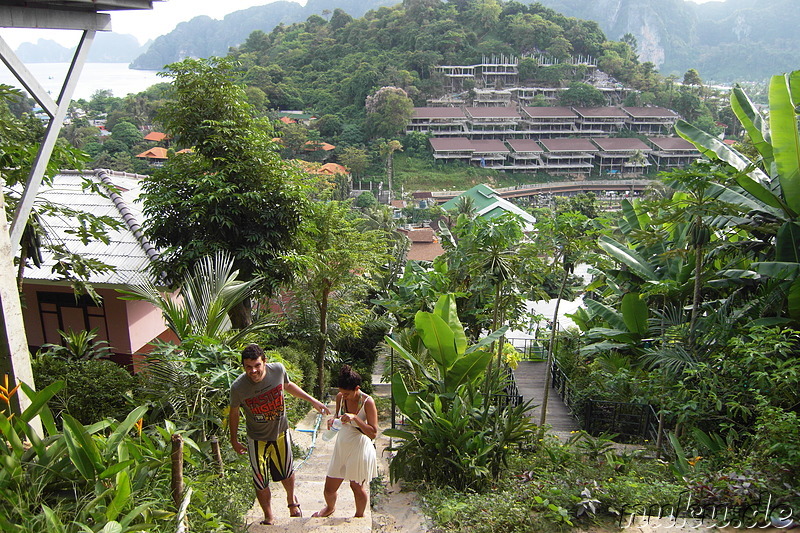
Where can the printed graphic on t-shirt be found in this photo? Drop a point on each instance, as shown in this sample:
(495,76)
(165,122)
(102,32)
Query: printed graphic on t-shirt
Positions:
(267,406)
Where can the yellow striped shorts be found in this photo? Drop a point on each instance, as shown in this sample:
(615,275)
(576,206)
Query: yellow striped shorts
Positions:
(274,456)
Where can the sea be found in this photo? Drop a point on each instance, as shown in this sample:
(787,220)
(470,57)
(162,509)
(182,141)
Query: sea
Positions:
(115,77)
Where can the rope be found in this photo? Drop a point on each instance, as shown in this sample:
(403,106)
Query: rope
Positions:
(313,441)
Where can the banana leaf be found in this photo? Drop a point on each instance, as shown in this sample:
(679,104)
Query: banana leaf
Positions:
(713,148)
(627,256)
(634,313)
(750,118)
(446,309)
(609,314)
(437,337)
(784,135)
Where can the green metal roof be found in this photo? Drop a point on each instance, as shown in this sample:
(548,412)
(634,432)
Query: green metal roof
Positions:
(482,195)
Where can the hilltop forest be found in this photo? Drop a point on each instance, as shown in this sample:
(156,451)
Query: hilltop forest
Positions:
(328,67)
(332,65)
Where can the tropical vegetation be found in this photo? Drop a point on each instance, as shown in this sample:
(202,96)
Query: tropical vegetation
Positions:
(692,308)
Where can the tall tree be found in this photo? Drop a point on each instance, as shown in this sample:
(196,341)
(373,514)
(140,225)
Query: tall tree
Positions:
(388,111)
(336,252)
(232,192)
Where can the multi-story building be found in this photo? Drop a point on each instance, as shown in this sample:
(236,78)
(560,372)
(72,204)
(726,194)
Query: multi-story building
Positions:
(672,152)
(599,120)
(622,155)
(568,156)
(543,122)
(492,122)
(651,120)
(525,155)
(439,121)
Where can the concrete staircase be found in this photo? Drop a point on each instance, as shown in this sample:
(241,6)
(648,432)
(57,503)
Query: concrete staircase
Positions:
(309,482)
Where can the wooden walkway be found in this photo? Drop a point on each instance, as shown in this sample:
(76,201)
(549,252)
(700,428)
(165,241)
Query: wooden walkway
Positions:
(530,382)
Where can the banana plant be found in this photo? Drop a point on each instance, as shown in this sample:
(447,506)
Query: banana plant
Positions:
(454,362)
(773,179)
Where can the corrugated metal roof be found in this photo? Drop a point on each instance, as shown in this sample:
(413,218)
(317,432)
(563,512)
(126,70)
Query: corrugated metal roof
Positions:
(489,145)
(650,112)
(438,112)
(671,143)
(524,145)
(597,112)
(127,251)
(492,112)
(568,145)
(610,144)
(549,112)
(451,144)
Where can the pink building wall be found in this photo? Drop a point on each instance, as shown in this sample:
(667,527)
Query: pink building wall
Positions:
(130,325)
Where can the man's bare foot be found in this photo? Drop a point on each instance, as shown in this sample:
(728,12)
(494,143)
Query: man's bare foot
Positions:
(266,522)
(322,513)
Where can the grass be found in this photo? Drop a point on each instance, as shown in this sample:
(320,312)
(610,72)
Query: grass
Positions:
(425,174)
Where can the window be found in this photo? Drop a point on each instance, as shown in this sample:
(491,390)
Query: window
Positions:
(64,311)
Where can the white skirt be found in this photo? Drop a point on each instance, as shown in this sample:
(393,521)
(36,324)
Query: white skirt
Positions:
(353,456)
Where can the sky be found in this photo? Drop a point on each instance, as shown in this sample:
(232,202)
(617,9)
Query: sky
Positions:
(148,24)
(143,24)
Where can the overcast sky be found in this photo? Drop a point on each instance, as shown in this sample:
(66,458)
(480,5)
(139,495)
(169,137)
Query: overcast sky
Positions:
(147,24)
(143,24)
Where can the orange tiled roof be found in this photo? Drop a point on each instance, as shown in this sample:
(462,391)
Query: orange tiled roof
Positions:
(332,168)
(287,120)
(328,169)
(154,153)
(155,136)
(312,145)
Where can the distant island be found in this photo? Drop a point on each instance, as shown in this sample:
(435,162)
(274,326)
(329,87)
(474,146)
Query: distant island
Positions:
(108,47)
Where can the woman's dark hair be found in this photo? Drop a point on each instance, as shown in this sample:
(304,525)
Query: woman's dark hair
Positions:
(349,379)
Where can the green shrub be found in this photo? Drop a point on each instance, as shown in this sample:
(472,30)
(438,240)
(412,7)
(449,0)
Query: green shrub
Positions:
(306,367)
(94,389)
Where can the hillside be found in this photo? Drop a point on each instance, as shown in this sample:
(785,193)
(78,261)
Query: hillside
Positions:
(330,66)
(204,37)
(724,41)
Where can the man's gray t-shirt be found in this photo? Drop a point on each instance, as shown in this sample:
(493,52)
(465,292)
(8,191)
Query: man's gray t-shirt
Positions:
(263,404)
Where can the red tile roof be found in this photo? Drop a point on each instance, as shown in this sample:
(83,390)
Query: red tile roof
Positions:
(155,136)
(328,169)
(424,244)
(154,153)
(313,146)
(424,251)
(332,168)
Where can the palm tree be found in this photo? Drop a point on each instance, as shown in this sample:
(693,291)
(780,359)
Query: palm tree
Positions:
(203,301)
